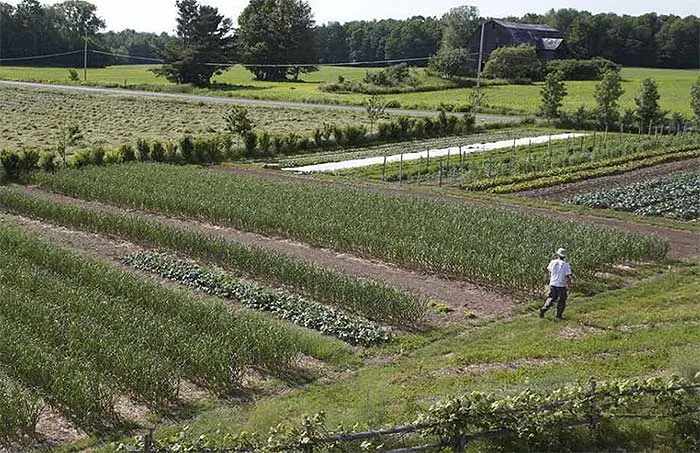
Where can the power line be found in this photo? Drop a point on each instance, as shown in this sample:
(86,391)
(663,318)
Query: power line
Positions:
(37,57)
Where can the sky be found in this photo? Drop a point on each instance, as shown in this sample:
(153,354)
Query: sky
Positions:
(159,15)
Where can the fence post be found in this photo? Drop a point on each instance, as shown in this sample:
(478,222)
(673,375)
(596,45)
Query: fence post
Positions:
(401,170)
(148,441)
(460,444)
(440,183)
(384,170)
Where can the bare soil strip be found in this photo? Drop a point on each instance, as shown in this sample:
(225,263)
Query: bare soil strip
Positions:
(460,296)
(608,182)
(683,244)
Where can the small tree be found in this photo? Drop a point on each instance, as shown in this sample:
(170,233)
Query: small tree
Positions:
(607,93)
(237,122)
(70,137)
(695,100)
(553,93)
(648,110)
(376,109)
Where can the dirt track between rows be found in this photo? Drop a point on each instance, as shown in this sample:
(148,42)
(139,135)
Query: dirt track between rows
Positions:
(683,244)
(460,296)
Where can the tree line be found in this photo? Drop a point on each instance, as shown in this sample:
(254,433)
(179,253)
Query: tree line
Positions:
(290,33)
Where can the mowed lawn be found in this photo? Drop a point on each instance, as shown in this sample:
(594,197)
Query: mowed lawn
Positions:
(674,87)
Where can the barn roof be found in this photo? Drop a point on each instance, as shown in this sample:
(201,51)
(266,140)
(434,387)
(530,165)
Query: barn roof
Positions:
(543,37)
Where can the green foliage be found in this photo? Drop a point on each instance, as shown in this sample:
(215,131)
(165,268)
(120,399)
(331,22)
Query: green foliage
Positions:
(18,164)
(238,121)
(451,63)
(348,220)
(73,75)
(399,74)
(648,111)
(368,298)
(203,36)
(250,143)
(553,93)
(291,308)
(275,32)
(695,101)
(460,24)
(375,110)
(19,411)
(607,94)
(593,69)
(671,196)
(514,63)
(70,137)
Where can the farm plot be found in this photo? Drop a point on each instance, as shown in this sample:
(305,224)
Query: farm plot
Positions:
(497,247)
(535,165)
(35,118)
(80,334)
(676,196)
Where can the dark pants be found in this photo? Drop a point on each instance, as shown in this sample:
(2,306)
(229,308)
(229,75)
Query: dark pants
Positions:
(559,295)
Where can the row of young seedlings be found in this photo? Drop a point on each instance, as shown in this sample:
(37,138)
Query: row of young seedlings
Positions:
(305,313)
(372,300)
(81,334)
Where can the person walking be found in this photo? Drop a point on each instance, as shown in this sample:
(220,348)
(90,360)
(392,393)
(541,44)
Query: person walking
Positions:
(559,282)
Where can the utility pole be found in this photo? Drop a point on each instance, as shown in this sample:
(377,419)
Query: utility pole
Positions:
(85,57)
(481,55)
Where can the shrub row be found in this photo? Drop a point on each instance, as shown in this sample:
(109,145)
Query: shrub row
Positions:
(582,69)
(327,320)
(218,148)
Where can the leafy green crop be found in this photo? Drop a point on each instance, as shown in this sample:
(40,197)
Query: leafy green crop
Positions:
(292,308)
(496,247)
(676,196)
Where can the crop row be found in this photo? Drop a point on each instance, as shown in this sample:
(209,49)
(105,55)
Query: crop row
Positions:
(487,170)
(672,196)
(19,411)
(368,298)
(498,247)
(292,308)
(81,333)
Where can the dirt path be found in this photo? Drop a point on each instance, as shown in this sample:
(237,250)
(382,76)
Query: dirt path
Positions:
(608,182)
(683,244)
(462,297)
(234,101)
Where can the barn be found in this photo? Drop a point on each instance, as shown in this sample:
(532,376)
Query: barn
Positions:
(548,41)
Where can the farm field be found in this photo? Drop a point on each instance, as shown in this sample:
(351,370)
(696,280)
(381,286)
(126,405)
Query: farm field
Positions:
(380,383)
(531,166)
(394,229)
(670,196)
(36,119)
(674,88)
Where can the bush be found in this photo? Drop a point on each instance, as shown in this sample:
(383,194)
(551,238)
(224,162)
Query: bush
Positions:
(451,63)
(144,150)
(396,75)
(520,62)
(114,156)
(582,69)
(18,164)
(127,152)
(47,161)
(250,142)
(187,149)
(265,143)
(158,152)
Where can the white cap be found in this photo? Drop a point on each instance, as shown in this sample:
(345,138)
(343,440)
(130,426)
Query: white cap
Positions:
(561,253)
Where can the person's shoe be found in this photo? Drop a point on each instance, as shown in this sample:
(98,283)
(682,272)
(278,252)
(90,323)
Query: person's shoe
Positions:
(541,313)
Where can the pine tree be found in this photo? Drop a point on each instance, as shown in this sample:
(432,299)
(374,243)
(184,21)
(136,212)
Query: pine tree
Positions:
(204,37)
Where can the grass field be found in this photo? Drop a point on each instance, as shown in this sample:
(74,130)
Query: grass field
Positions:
(674,87)
(36,118)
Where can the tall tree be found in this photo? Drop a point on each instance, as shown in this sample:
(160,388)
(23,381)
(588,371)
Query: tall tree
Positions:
(204,40)
(647,101)
(607,93)
(274,35)
(460,24)
(553,93)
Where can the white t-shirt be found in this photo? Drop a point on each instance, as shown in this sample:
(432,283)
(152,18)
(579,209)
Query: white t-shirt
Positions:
(558,270)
